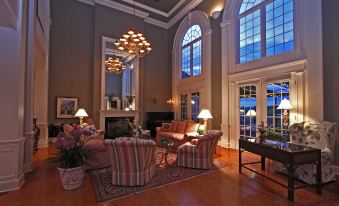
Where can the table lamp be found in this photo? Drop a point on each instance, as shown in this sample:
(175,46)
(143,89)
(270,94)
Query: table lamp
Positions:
(205,114)
(251,113)
(81,113)
(285,105)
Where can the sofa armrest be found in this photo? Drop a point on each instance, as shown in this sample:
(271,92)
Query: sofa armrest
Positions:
(158,129)
(187,148)
(189,136)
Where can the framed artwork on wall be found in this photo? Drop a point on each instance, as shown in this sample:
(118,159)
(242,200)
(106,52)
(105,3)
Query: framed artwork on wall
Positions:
(66,107)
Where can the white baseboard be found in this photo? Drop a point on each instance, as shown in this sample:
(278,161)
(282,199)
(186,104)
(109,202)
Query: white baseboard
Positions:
(224,144)
(11,185)
(42,144)
(336,169)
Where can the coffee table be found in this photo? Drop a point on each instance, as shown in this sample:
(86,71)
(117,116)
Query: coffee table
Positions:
(287,153)
(165,148)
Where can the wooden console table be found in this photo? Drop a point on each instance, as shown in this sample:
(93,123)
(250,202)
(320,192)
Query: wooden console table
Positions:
(290,154)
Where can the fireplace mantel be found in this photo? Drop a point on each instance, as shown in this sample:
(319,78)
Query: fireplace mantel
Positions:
(116,113)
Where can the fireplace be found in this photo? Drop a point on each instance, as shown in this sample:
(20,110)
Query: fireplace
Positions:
(118,127)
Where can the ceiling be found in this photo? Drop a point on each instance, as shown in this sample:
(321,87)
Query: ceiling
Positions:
(163,13)
(162,5)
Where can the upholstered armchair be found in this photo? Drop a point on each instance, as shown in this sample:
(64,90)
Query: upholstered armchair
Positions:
(321,135)
(199,153)
(132,160)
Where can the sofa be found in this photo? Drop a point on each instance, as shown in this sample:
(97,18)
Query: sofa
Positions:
(178,132)
(318,134)
(199,153)
(132,160)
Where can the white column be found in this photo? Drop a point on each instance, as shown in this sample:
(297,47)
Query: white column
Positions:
(12,90)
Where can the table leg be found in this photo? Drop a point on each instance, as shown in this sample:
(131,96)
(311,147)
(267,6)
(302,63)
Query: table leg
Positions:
(240,164)
(291,182)
(263,166)
(319,175)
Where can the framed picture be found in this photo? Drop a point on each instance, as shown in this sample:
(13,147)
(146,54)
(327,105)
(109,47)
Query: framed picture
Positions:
(66,107)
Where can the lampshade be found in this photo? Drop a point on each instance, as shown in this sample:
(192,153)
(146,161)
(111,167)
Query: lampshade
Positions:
(285,104)
(81,113)
(251,113)
(205,114)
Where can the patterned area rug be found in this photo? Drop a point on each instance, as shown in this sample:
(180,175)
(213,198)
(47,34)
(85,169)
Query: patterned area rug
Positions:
(164,175)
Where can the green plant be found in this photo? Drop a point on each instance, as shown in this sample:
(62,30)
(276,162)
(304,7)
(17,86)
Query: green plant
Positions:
(201,131)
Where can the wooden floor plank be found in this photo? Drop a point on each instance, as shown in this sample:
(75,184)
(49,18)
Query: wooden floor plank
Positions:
(222,187)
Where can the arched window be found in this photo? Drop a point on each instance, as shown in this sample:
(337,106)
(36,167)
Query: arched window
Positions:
(191,53)
(266,28)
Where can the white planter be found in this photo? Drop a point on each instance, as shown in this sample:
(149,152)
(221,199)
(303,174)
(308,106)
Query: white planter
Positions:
(71,178)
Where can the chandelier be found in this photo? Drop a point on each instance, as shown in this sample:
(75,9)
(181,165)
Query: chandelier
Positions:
(134,43)
(114,64)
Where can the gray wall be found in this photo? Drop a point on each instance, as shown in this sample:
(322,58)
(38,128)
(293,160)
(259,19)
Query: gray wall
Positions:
(207,7)
(331,64)
(75,55)
(71,55)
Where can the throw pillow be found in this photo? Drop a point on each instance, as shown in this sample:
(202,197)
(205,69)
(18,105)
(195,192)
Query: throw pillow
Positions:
(181,127)
(174,125)
(191,127)
(166,127)
(68,129)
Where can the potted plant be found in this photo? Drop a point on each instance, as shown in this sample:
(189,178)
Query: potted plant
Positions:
(70,158)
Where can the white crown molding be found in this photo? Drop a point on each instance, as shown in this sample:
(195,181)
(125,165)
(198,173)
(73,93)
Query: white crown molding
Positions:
(157,11)
(122,7)
(157,22)
(183,12)
(145,15)
(148,8)
(90,2)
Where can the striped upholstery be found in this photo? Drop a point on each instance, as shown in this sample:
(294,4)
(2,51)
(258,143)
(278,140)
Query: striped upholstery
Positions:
(132,159)
(199,155)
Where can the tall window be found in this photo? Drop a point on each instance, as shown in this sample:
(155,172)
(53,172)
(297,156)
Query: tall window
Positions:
(183,106)
(276,92)
(191,53)
(248,108)
(195,102)
(266,28)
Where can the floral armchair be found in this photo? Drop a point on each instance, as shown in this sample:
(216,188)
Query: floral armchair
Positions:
(321,135)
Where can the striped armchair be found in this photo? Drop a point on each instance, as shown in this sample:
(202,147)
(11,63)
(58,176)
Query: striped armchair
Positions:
(132,159)
(199,154)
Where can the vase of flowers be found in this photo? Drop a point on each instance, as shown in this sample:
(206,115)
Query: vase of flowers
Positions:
(70,157)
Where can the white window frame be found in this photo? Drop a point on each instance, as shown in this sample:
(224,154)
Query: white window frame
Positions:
(200,82)
(304,64)
(284,56)
(190,45)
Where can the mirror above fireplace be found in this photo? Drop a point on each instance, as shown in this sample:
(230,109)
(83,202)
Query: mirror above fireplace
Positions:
(119,88)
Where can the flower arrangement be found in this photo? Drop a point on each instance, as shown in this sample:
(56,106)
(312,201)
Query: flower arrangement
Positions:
(71,152)
(201,131)
(267,132)
(137,131)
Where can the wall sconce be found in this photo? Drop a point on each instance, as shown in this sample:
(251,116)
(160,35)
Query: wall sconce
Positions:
(216,14)
(170,102)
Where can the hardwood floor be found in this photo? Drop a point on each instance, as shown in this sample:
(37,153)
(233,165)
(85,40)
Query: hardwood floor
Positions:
(223,187)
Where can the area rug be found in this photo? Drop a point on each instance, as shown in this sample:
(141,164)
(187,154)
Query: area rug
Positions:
(164,175)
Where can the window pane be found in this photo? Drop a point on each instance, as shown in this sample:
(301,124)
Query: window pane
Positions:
(250,37)
(194,32)
(183,107)
(280,27)
(247,111)
(195,105)
(197,58)
(186,62)
(276,92)
(248,4)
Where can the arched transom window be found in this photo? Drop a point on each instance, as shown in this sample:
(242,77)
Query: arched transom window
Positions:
(191,53)
(266,28)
